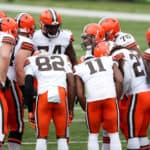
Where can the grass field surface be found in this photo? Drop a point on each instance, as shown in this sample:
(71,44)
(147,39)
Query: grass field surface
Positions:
(78,130)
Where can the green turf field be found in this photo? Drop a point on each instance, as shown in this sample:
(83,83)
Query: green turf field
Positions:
(78,130)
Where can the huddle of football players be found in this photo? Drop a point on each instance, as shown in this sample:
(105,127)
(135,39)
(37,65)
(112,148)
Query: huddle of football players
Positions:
(39,69)
(132,87)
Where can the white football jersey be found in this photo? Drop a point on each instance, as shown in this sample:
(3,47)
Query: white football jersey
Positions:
(22,43)
(56,45)
(136,70)
(97,75)
(49,70)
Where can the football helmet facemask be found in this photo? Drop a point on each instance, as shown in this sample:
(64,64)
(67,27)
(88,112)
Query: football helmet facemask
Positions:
(26,24)
(50,23)
(91,35)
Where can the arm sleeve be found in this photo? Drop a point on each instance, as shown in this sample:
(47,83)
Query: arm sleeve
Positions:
(29,91)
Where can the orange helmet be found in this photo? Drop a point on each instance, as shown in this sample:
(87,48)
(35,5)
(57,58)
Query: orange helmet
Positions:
(148,37)
(91,35)
(95,30)
(2,14)
(50,21)
(9,25)
(102,49)
(26,24)
(111,27)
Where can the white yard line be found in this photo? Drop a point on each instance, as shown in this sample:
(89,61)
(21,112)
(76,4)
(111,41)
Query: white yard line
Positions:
(71,142)
(77,12)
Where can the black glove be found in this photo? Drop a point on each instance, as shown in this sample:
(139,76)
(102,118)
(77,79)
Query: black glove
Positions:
(7,83)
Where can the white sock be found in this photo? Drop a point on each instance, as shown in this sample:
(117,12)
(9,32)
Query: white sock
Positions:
(93,142)
(133,143)
(105,146)
(144,141)
(13,146)
(62,144)
(41,144)
(115,143)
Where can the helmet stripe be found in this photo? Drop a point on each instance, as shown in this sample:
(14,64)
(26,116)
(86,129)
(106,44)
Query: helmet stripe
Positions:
(53,14)
(18,18)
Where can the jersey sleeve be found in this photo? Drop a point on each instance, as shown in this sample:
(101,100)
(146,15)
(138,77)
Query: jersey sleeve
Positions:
(8,40)
(28,67)
(147,54)
(26,44)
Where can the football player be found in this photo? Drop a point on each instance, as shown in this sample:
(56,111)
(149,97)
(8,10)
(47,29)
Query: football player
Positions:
(92,34)
(88,77)
(134,106)
(23,48)
(56,91)
(111,28)
(52,38)
(8,28)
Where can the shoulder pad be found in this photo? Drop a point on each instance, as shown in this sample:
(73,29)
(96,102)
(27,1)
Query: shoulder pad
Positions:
(118,57)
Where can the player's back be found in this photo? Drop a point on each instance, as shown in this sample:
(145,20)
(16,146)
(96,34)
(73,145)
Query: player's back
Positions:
(97,74)
(138,82)
(50,70)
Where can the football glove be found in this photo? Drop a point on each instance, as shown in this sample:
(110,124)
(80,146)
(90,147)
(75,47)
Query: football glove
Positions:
(31,119)
(71,115)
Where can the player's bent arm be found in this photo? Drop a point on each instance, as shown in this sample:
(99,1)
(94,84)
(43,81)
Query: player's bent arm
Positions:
(71,53)
(5,51)
(118,78)
(19,65)
(80,92)
(71,91)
